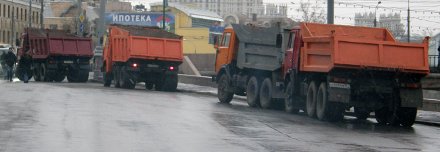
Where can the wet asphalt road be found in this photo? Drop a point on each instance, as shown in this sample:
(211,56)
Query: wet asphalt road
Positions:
(47,117)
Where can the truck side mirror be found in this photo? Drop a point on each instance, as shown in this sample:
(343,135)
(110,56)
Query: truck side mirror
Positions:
(279,41)
(216,41)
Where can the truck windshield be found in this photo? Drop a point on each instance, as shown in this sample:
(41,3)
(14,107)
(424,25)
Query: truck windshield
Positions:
(291,40)
(226,39)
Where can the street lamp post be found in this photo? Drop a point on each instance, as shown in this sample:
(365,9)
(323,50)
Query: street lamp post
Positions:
(164,5)
(408,23)
(375,10)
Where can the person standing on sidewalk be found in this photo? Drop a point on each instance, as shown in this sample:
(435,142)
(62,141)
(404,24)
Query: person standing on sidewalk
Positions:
(3,64)
(438,57)
(25,66)
(10,60)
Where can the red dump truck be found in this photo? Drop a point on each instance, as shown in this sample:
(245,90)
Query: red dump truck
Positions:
(56,54)
(324,70)
(142,54)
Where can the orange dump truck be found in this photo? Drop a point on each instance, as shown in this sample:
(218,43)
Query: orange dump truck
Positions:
(324,70)
(142,54)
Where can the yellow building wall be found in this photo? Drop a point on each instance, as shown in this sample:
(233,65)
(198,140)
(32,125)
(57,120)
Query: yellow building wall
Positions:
(195,40)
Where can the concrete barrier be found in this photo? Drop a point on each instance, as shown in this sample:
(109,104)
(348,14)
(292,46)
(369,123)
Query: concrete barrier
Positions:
(432,82)
(197,80)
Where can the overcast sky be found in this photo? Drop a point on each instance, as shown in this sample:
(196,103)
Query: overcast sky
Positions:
(425,17)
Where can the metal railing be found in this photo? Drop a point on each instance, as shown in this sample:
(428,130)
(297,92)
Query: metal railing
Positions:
(434,64)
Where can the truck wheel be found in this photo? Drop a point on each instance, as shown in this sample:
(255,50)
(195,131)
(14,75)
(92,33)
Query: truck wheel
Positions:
(158,86)
(149,86)
(125,80)
(322,103)
(37,76)
(107,79)
(170,83)
(83,75)
(116,75)
(43,73)
(289,104)
(326,110)
(224,89)
(266,94)
(361,113)
(59,77)
(252,92)
(407,116)
(311,100)
(381,115)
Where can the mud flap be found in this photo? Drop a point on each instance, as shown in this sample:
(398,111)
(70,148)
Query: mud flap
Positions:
(411,97)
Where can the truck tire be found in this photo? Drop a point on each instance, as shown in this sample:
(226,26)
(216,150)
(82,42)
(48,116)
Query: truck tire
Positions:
(126,80)
(361,113)
(224,89)
(59,77)
(266,94)
(149,86)
(77,75)
(407,116)
(170,83)
(322,104)
(83,76)
(289,104)
(252,92)
(381,115)
(116,75)
(311,100)
(326,110)
(107,79)
(37,76)
(44,75)
(158,86)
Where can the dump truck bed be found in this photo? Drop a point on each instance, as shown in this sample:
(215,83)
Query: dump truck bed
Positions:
(136,42)
(45,43)
(257,47)
(327,47)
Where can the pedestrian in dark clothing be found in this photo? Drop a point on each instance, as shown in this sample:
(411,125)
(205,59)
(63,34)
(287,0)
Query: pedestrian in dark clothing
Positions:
(10,60)
(25,66)
(438,57)
(3,64)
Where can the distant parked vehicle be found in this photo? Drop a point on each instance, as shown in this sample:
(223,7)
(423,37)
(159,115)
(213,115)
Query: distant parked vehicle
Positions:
(56,55)
(4,48)
(142,54)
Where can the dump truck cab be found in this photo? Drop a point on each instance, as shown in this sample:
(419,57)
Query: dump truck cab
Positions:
(226,49)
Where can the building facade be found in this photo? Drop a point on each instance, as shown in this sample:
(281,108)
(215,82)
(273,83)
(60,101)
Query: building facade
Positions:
(249,8)
(14,17)
(392,22)
(194,25)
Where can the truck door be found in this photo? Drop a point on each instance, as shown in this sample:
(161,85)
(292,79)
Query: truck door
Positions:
(289,56)
(223,52)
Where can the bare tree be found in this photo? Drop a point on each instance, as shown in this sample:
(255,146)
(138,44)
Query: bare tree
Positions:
(312,12)
(399,31)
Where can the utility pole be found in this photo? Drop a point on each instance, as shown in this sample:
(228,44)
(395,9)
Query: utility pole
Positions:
(165,4)
(41,14)
(30,14)
(78,26)
(101,24)
(409,27)
(330,11)
(13,27)
(375,16)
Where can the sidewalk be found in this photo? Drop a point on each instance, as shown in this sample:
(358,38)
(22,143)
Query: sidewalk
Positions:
(429,117)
